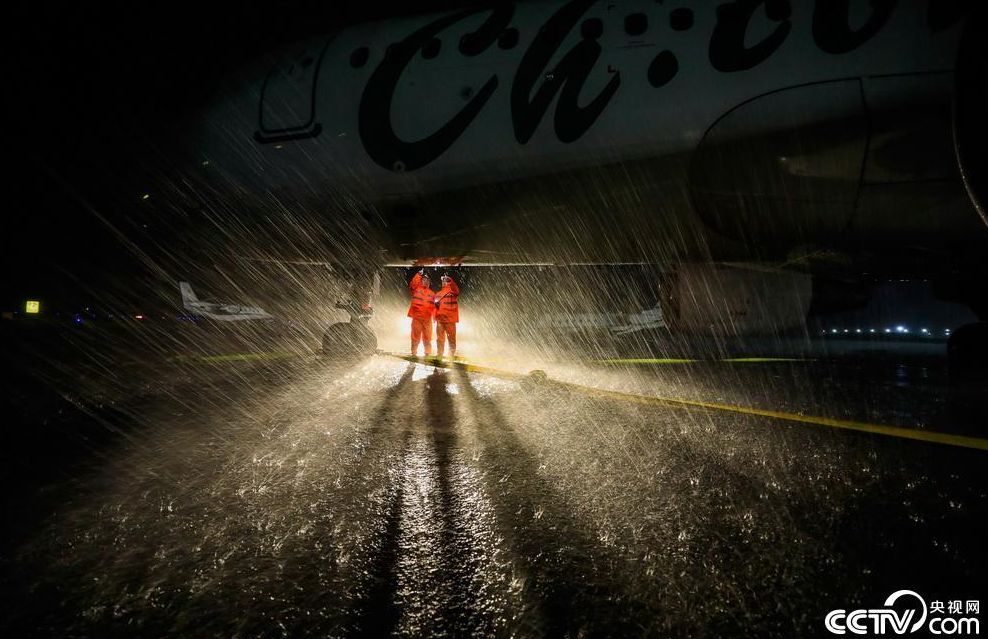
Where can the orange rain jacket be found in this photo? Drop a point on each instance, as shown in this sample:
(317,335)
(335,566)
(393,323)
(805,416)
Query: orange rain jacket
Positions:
(447,303)
(422,306)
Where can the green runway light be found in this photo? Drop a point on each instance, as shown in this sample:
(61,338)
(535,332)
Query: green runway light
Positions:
(671,360)
(763,360)
(32,307)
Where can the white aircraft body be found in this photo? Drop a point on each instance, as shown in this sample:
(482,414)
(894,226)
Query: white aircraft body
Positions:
(218,311)
(791,138)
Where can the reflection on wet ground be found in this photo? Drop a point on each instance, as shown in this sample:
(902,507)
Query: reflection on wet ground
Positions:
(395,498)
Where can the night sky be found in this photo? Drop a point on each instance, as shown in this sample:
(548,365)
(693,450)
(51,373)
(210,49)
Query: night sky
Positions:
(99,90)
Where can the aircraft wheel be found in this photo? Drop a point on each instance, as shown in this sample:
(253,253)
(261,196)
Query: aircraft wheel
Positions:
(348,340)
(967,353)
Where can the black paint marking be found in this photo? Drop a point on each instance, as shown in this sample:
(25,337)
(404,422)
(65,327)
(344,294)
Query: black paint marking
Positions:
(635,24)
(681,19)
(831,31)
(592,28)
(431,48)
(508,39)
(779,10)
(359,57)
(475,43)
(728,51)
(536,87)
(663,68)
(376,131)
(567,79)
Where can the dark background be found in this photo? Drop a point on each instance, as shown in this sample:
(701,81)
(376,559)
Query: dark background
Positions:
(98,91)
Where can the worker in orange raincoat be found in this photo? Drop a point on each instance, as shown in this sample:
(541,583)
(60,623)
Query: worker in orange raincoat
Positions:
(422,310)
(447,315)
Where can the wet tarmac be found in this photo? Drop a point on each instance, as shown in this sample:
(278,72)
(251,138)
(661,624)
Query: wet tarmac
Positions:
(297,497)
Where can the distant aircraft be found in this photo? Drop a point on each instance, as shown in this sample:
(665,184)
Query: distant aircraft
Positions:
(217,311)
(766,153)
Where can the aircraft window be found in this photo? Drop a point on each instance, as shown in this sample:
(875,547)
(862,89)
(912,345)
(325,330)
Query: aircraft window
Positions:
(431,48)
(635,24)
(508,39)
(592,29)
(681,19)
(359,57)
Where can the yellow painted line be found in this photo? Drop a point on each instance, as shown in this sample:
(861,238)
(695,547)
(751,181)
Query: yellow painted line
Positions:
(876,429)
(764,360)
(662,360)
(935,437)
(673,360)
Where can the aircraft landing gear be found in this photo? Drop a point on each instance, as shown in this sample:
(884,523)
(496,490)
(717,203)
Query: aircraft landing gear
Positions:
(967,353)
(351,340)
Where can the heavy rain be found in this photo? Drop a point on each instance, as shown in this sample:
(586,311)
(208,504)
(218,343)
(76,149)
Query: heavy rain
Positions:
(562,318)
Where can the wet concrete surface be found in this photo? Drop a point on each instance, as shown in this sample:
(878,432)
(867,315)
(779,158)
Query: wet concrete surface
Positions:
(299,497)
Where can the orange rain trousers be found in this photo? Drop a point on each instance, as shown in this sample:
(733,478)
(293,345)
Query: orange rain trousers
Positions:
(422,333)
(444,331)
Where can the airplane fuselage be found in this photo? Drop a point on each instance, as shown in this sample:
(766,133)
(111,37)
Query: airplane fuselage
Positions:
(618,131)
